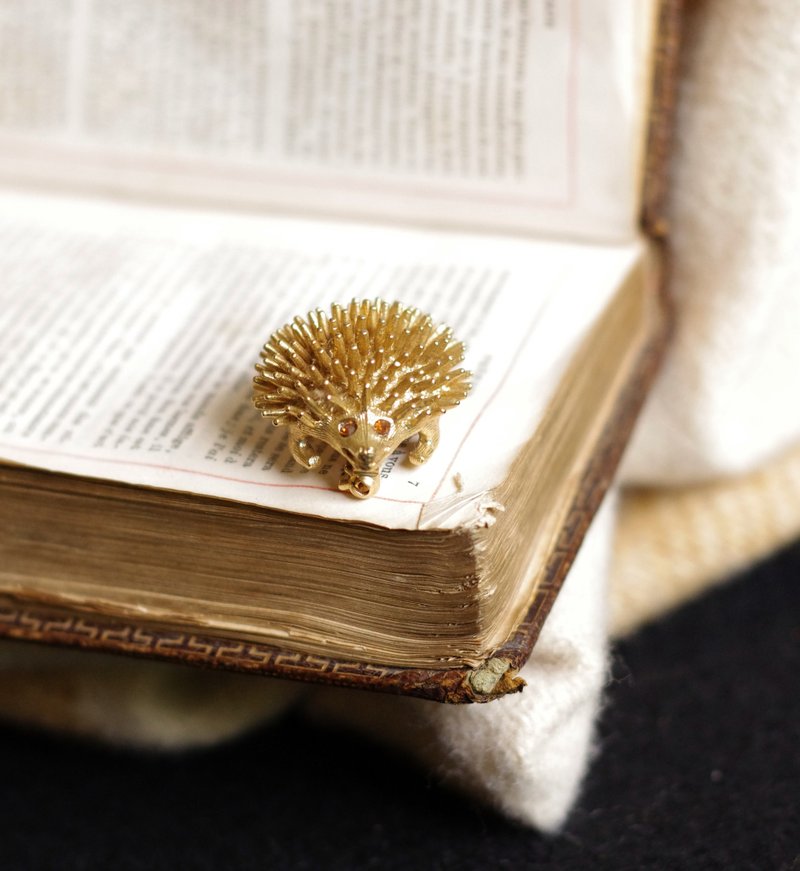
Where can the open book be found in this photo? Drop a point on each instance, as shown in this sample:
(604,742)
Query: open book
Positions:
(179,181)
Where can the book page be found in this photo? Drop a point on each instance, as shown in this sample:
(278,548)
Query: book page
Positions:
(523,115)
(128,338)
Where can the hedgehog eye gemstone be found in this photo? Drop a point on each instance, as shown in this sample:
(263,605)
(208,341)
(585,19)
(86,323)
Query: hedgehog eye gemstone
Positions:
(382,426)
(347,427)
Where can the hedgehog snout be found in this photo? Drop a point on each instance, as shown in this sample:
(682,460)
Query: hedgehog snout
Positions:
(363,458)
(366,457)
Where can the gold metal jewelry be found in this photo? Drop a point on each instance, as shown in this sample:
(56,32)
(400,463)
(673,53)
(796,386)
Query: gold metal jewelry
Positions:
(363,380)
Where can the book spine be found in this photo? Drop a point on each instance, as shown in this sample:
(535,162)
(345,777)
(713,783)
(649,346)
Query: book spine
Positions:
(661,119)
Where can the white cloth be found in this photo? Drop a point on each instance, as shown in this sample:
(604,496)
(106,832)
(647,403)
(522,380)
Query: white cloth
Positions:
(729,395)
(138,703)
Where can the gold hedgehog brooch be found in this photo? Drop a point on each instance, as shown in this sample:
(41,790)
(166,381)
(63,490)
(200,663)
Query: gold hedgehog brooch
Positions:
(363,380)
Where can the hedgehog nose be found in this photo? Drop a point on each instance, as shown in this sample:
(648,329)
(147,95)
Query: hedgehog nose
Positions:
(366,456)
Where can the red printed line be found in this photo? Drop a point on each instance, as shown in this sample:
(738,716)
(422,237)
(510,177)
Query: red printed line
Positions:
(167,468)
(572,104)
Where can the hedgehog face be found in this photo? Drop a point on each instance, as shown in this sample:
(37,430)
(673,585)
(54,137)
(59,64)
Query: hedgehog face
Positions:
(365,440)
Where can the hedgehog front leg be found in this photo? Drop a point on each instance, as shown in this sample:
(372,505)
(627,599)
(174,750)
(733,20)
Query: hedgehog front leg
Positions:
(301,450)
(426,445)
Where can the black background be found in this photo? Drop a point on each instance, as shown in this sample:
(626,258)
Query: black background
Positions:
(699,767)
